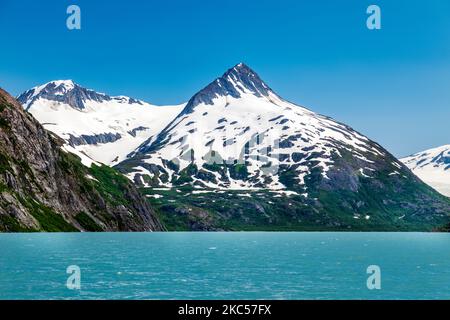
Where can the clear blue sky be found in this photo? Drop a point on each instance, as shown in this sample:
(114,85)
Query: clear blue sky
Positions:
(392,85)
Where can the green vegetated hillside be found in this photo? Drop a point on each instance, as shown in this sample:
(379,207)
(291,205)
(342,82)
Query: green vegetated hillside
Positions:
(343,202)
(445,228)
(44,188)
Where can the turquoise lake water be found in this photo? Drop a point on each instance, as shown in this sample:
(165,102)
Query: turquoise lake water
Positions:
(225,265)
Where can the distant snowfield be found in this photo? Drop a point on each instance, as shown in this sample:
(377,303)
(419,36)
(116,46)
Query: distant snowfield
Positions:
(432,167)
(437,179)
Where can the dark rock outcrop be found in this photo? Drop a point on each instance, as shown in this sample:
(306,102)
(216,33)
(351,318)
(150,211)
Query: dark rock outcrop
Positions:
(93,139)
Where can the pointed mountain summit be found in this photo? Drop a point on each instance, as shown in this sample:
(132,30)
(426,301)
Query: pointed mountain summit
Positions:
(247,80)
(236,82)
(237,86)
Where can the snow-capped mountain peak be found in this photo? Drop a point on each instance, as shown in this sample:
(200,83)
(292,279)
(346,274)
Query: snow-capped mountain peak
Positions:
(236,82)
(245,80)
(56,87)
(238,119)
(69,93)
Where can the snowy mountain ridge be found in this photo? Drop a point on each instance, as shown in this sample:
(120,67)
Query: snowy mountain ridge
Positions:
(96,126)
(70,93)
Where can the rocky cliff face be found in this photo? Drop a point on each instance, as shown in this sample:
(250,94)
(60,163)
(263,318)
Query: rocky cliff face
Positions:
(44,188)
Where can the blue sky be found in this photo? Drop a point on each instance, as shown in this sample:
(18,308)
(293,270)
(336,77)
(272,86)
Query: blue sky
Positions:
(392,84)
